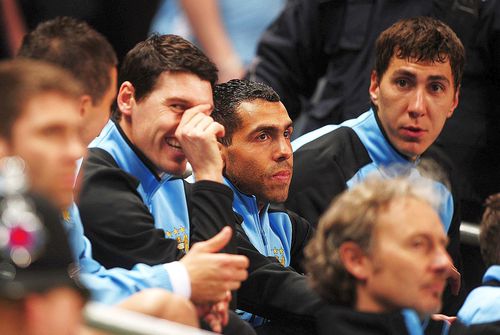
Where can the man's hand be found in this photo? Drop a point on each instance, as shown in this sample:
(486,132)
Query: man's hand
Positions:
(216,315)
(211,274)
(445,318)
(197,132)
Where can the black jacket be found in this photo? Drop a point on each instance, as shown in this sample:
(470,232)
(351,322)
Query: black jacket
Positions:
(325,163)
(346,321)
(134,217)
(333,40)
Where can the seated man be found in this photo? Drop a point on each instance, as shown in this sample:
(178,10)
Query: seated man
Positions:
(483,303)
(134,207)
(414,90)
(258,163)
(379,275)
(75,46)
(50,142)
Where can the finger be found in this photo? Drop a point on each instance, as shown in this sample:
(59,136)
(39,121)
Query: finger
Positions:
(188,127)
(193,111)
(214,322)
(225,317)
(216,243)
(217,129)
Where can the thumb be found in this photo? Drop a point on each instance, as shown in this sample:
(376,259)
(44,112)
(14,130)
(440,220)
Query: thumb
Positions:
(216,243)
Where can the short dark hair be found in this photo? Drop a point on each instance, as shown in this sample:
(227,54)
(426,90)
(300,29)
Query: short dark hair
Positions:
(75,46)
(421,39)
(489,237)
(21,80)
(158,54)
(228,97)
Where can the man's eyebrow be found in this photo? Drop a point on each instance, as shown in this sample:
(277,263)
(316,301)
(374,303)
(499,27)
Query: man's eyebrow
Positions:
(402,72)
(407,73)
(177,99)
(438,78)
(268,127)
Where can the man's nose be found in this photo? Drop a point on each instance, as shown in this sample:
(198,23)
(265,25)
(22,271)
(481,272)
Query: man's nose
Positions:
(417,107)
(284,149)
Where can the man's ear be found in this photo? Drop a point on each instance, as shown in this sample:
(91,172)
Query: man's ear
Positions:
(85,104)
(126,98)
(223,152)
(374,88)
(355,260)
(455,102)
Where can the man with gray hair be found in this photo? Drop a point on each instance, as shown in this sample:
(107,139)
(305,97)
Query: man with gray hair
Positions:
(383,277)
(378,275)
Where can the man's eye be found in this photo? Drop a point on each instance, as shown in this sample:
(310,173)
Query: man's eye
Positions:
(402,82)
(437,87)
(263,137)
(420,244)
(287,133)
(178,107)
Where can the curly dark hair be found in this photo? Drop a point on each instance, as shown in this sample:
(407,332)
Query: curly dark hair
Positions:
(229,96)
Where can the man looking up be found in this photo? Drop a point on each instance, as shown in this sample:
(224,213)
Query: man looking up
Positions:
(258,163)
(414,89)
(134,206)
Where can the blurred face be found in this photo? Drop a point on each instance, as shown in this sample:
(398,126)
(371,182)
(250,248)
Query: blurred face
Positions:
(151,123)
(413,101)
(47,136)
(259,160)
(96,116)
(58,312)
(408,265)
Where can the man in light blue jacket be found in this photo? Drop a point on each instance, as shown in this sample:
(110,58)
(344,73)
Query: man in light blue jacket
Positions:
(75,46)
(483,304)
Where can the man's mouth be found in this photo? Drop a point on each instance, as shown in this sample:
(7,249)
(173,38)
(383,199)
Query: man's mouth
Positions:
(173,143)
(283,175)
(413,132)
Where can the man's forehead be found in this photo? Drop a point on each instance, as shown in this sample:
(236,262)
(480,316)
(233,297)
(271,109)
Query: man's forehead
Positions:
(185,84)
(50,106)
(253,113)
(409,216)
(431,68)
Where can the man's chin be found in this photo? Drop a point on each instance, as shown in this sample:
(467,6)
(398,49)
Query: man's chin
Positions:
(175,169)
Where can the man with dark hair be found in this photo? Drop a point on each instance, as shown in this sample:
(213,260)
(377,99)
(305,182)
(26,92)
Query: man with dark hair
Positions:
(318,55)
(54,41)
(49,144)
(414,90)
(483,303)
(75,46)
(134,206)
(258,163)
